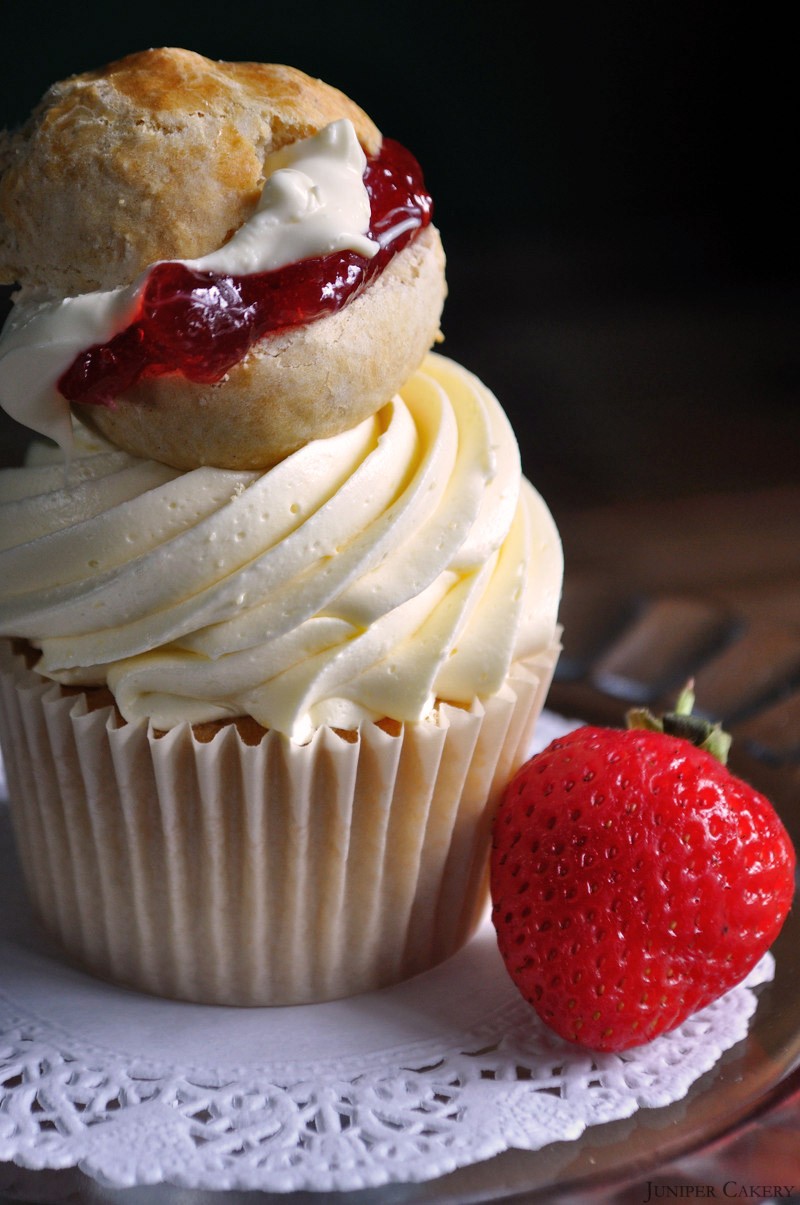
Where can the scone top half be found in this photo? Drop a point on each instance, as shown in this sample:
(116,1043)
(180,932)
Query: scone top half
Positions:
(160,157)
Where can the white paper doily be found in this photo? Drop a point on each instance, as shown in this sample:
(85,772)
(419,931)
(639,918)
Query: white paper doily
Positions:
(400,1085)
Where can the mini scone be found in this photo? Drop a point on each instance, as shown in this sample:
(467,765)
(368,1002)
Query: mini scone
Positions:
(168,157)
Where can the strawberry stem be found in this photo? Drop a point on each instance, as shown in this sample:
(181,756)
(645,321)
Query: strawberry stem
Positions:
(681,722)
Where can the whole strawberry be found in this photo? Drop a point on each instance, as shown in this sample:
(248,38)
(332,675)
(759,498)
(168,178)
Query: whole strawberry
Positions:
(634,879)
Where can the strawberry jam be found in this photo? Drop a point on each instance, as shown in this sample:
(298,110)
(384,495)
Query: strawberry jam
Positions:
(202,323)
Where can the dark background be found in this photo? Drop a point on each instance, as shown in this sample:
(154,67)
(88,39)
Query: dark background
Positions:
(614,186)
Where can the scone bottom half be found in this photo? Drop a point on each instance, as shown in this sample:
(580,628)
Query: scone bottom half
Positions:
(124,201)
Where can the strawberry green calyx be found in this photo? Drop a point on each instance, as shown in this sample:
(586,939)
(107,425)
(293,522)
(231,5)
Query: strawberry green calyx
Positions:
(682,723)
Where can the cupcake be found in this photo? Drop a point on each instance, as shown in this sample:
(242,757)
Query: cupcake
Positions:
(280,608)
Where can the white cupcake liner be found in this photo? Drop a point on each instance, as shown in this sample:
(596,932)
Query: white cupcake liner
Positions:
(227,873)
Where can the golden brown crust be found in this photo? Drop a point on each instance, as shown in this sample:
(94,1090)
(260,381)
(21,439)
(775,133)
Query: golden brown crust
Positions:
(160,156)
(306,383)
(156,156)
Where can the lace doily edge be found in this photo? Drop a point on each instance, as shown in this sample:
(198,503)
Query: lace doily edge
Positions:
(352,1163)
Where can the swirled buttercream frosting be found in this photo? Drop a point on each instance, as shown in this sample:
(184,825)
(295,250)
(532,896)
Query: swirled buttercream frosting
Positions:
(365,576)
